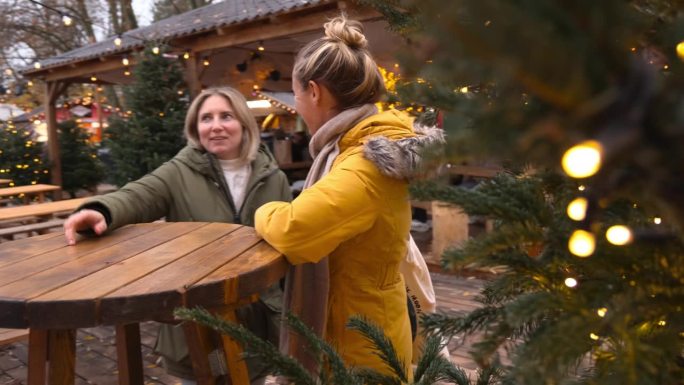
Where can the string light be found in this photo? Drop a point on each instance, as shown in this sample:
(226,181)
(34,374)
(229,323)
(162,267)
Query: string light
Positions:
(577,209)
(125,61)
(570,282)
(662,323)
(583,160)
(155,50)
(186,55)
(117,41)
(93,78)
(680,50)
(581,187)
(657,220)
(593,336)
(464,90)
(205,62)
(602,312)
(261,46)
(582,243)
(619,235)
(67,20)
(127,72)
(36,65)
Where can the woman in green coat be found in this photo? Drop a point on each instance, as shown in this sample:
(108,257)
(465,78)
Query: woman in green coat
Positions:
(223,175)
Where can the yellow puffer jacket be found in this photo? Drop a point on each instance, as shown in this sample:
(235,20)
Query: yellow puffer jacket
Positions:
(360,218)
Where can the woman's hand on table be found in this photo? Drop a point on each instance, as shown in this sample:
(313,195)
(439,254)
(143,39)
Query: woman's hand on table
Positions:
(84,220)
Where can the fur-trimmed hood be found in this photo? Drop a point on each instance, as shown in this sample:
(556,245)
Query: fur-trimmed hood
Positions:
(401,158)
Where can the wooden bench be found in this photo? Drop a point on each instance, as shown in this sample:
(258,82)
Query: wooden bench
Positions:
(38,190)
(38,227)
(8,336)
(450,224)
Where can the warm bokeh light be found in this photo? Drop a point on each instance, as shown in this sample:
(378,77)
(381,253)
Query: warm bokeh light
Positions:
(67,20)
(36,65)
(117,41)
(593,336)
(570,282)
(583,160)
(577,209)
(602,312)
(582,243)
(155,50)
(619,235)
(680,50)
(125,61)
(657,220)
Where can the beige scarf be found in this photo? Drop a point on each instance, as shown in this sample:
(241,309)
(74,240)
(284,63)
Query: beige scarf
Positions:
(306,285)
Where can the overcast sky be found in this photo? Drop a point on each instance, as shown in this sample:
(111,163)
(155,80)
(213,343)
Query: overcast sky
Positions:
(143,11)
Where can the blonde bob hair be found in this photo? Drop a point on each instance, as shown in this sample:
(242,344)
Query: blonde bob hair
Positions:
(340,60)
(250,130)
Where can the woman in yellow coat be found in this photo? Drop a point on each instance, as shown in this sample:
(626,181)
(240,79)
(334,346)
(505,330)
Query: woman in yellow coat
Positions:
(347,232)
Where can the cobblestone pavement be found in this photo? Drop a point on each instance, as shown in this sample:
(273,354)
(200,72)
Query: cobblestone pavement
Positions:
(96,351)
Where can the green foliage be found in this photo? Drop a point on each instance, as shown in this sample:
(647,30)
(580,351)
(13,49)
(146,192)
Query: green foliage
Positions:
(545,326)
(431,367)
(21,155)
(81,168)
(153,132)
(541,77)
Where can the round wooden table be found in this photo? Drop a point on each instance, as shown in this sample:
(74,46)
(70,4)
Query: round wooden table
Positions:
(137,273)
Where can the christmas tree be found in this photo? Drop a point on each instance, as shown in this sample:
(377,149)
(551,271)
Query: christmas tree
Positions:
(81,168)
(152,130)
(592,291)
(21,155)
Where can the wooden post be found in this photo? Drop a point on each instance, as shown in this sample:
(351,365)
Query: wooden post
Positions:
(129,356)
(449,228)
(62,355)
(38,356)
(192,76)
(53,90)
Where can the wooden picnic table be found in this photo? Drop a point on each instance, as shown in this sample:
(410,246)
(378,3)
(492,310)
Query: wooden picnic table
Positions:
(29,190)
(137,273)
(46,209)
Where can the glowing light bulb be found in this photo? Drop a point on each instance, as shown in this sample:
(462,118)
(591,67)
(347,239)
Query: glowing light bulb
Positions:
(125,61)
(464,90)
(93,78)
(662,323)
(205,62)
(619,235)
(261,46)
(36,65)
(117,41)
(602,312)
(127,73)
(582,243)
(593,336)
(680,50)
(577,209)
(67,20)
(570,282)
(581,187)
(155,50)
(583,160)
(186,55)
(657,220)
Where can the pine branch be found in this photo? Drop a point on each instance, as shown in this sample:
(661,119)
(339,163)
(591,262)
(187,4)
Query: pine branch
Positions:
(282,365)
(385,349)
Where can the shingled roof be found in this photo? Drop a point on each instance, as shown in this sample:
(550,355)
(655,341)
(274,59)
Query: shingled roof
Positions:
(207,18)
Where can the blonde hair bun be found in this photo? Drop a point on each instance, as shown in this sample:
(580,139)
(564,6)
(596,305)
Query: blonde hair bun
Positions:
(349,32)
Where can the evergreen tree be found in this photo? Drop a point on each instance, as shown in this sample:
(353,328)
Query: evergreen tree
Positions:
(21,155)
(81,168)
(520,83)
(152,132)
